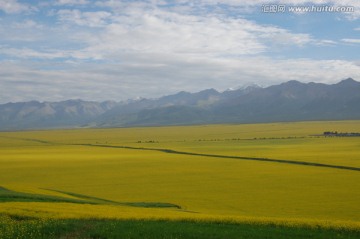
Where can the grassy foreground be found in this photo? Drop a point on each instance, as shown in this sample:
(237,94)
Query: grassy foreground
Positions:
(22,227)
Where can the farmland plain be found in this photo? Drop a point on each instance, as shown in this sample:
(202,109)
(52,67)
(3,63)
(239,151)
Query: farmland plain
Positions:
(278,173)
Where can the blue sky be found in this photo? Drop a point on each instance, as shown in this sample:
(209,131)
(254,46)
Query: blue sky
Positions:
(117,50)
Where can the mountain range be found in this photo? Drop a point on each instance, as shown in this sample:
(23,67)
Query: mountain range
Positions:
(290,101)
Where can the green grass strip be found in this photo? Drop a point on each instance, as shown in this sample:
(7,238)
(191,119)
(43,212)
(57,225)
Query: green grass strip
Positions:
(155,229)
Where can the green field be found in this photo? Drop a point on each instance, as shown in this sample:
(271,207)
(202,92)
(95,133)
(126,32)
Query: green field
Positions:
(266,177)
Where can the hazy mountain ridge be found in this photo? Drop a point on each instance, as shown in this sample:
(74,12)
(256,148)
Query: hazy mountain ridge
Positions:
(290,101)
(34,114)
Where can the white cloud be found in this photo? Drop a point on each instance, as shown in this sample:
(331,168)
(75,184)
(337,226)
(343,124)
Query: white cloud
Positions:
(179,34)
(13,6)
(347,40)
(326,43)
(158,31)
(279,36)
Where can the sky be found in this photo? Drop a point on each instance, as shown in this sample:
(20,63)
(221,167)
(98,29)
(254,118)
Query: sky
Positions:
(120,49)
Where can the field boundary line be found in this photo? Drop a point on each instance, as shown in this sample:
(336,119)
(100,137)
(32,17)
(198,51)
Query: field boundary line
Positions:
(171,151)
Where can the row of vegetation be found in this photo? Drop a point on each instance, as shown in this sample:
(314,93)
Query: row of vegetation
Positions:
(327,133)
(341,134)
(232,139)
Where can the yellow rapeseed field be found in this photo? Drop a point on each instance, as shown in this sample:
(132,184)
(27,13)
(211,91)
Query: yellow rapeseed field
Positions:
(117,165)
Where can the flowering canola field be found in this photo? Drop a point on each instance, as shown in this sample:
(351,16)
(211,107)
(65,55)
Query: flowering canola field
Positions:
(208,172)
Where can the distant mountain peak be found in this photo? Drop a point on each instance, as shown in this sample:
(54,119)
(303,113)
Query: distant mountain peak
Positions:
(348,82)
(211,90)
(293,83)
(246,88)
(208,92)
